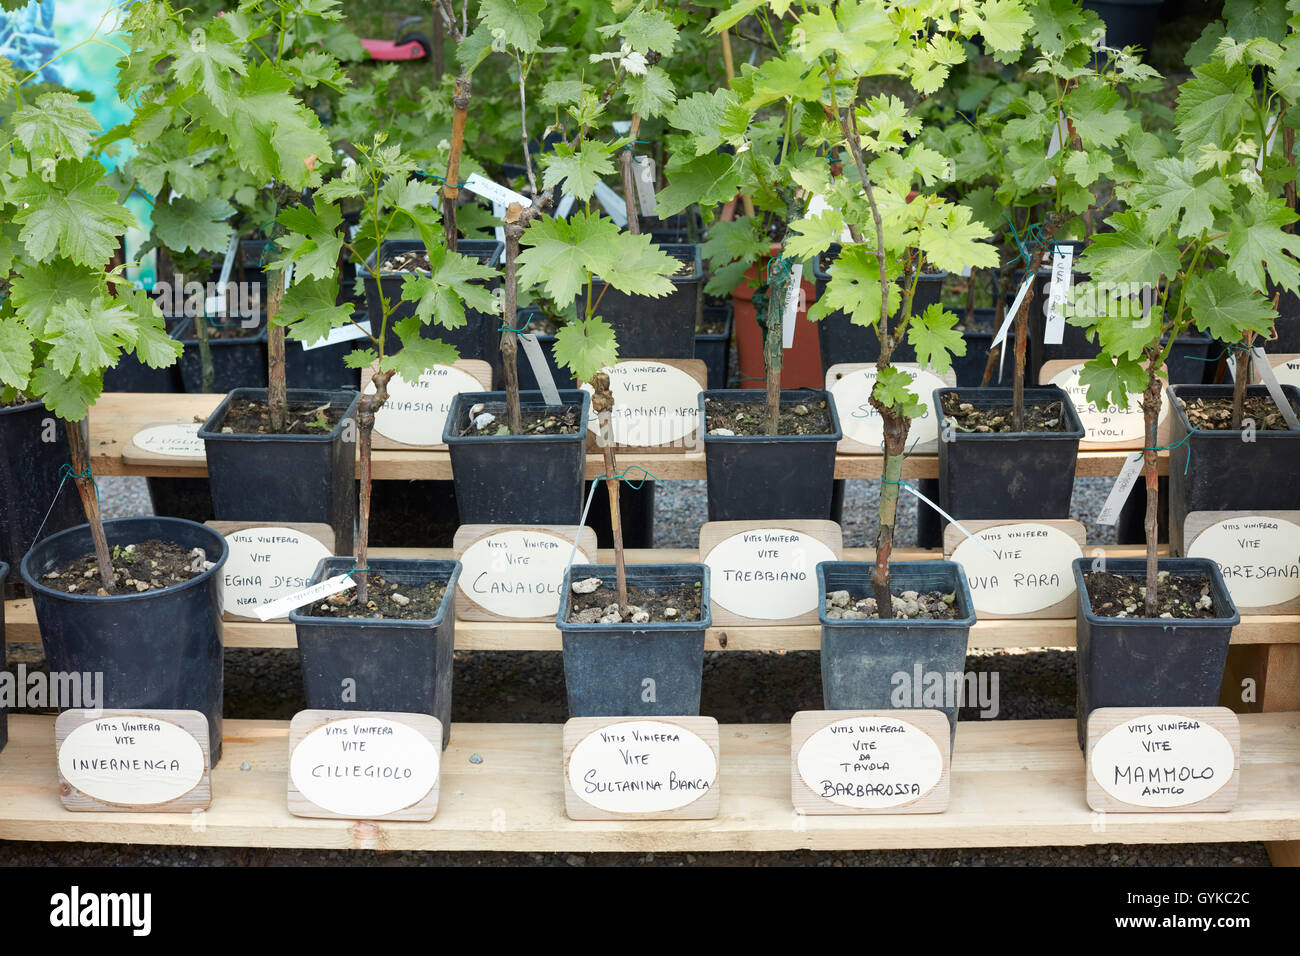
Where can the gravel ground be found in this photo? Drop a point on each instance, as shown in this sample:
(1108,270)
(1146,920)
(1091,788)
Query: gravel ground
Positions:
(739,687)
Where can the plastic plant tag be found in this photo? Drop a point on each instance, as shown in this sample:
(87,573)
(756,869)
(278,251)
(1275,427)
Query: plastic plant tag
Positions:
(1119,492)
(344,333)
(1054,146)
(791,306)
(612,203)
(541,371)
(1062,262)
(495,192)
(499,211)
(1001,337)
(565,207)
(644,177)
(1274,388)
(280,608)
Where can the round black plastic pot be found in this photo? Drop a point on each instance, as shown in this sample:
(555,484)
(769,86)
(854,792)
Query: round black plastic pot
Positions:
(655,328)
(1151,662)
(188,498)
(563,378)
(842,341)
(529,479)
(1219,470)
(286,477)
(322,367)
(392,666)
(30,480)
(158,650)
(4,709)
(770,476)
(1128,22)
(635,670)
(1009,474)
(478,338)
(236,363)
(714,348)
(862,658)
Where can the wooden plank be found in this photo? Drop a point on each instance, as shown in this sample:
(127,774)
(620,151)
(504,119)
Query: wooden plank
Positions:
(714,533)
(119,415)
(476,369)
(1014,783)
(467,535)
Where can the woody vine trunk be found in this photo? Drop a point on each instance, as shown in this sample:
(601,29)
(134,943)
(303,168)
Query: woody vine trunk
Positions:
(602,402)
(1150,418)
(368,405)
(85,482)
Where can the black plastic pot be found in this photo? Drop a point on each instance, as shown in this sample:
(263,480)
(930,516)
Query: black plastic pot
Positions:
(1128,22)
(861,658)
(236,363)
(714,348)
(968,369)
(393,666)
(160,649)
(1287,327)
(770,476)
(636,510)
(1009,474)
(322,367)
(1151,662)
(132,375)
(842,341)
(1218,471)
(635,670)
(655,328)
(529,479)
(29,480)
(188,498)
(418,513)
(286,477)
(4,710)
(478,338)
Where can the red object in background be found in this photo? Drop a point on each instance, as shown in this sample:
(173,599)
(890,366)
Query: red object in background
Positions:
(801,366)
(388,50)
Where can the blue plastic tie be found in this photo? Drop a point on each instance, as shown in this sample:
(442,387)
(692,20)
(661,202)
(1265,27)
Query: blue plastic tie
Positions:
(634,485)
(1188,462)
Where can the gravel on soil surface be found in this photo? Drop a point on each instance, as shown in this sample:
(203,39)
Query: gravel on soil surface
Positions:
(739,687)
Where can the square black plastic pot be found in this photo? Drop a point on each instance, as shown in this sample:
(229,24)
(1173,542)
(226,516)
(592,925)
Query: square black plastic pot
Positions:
(236,363)
(132,375)
(1216,470)
(714,348)
(286,477)
(1008,474)
(392,666)
(860,659)
(29,482)
(158,650)
(563,378)
(1150,662)
(842,341)
(478,338)
(770,476)
(529,479)
(635,670)
(650,328)
(323,367)
(1287,327)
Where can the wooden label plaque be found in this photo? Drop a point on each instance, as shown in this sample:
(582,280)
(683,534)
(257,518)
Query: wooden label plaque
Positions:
(356,765)
(267,562)
(414,415)
(641,768)
(169,444)
(514,572)
(765,572)
(1258,553)
(134,760)
(1025,571)
(851,384)
(1104,428)
(869,761)
(1163,759)
(656,405)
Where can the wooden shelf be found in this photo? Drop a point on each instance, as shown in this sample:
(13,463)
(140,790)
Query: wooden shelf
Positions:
(1014,783)
(117,416)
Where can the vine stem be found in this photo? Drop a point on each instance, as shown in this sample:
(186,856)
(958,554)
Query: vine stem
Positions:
(602,402)
(85,482)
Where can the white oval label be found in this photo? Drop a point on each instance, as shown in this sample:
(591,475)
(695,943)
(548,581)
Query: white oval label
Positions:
(1259,557)
(267,564)
(177,441)
(517,573)
(767,573)
(364,767)
(642,766)
(415,414)
(1162,760)
(870,763)
(1111,425)
(131,761)
(1027,571)
(1287,372)
(861,422)
(654,404)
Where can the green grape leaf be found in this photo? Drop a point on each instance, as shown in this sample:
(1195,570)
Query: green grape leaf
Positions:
(1256,242)
(585,346)
(88,336)
(1094,112)
(314,242)
(206,63)
(705,180)
(645,30)
(650,94)
(75,214)
(1211,104)
(703,116)
(417,354)
(188,225)
(67,396)
(15,352)
(635,265)
(951,241)
(893,389)
(580,169)
(1109,381)
(44,289)
(1225,308)
(935,339)
(441,297)
(518,21)
(1174,197)
(854,289)
(562,254)
(310,309)
(57,125)
(1129,253)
